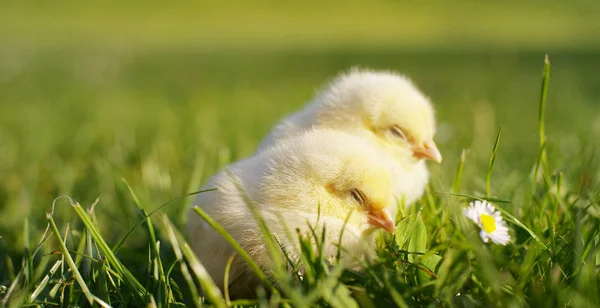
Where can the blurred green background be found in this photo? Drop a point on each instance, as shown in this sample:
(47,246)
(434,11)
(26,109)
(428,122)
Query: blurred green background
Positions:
(163,95)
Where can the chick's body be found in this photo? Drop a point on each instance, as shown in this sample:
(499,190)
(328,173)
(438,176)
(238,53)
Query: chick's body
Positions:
(324,171)
(385,108)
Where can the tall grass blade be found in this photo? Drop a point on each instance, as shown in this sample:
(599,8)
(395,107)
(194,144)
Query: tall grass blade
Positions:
(101,303)
(184,269)
(488,180)
(211,290)
(459,171)
(472,197)
(27,253)
(208,286)
(44,281)
(268,237)
(69,260)
(226,281)
(138,291)
(119,243)
(154,244)
(543,158)
(542,107)
(243,254)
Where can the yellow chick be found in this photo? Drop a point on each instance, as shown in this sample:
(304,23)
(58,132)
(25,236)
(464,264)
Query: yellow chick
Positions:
(385,107)
(321,171)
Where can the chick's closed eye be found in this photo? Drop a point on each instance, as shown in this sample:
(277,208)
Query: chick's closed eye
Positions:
(398,133)
(359,196)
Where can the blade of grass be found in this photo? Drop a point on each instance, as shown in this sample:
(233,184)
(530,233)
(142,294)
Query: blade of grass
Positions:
(101,302)
(12,288)
(27,253)
(291,237)
(496,200)
(102,285)
(459,171)
(543,159)
(54,291)
(542,107)
(226,281)
(269,240)
(119,243)
(208,286)
(10,268)
(160,278)
(285,281)
(138,291)
(80,253)
(69,260)
(400,208)
(251,263)
(211,290)
(339,243)
(396,297)
(44,281)
(488,180)
(184,269)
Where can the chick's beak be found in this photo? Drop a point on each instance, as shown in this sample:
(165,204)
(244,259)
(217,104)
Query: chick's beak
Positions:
(381,219)
(428,150)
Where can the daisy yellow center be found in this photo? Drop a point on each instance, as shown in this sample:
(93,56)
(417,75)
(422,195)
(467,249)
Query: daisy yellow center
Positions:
(488,222)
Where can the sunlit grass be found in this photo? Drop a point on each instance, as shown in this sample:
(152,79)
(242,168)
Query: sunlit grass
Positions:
(119,250)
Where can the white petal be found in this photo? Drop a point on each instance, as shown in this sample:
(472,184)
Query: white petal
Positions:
(484,236)
(489,209)
(500,240)
(472,214)
(500,236)
(501,225)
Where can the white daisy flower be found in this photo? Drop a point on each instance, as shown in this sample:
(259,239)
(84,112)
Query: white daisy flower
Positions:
(489,220)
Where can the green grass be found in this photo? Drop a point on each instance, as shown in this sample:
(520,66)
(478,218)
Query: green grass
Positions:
(130,131)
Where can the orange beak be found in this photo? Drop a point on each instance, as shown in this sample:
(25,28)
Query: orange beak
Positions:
(380,219)
(428,151)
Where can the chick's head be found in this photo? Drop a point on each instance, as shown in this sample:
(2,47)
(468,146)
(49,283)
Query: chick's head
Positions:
(332,173)
(386,106)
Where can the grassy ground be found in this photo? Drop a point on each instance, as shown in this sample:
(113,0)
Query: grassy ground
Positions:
(165,121)
(78,121)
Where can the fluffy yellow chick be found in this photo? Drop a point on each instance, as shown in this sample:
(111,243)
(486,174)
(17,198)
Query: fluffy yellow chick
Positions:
(385,107)
(323,170)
